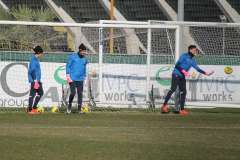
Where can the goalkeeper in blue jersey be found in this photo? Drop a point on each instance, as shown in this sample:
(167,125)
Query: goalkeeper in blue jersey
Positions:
(185,62)
(34,78)
(76,74)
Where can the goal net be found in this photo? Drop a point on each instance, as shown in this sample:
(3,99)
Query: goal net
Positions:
(119,56)
(130,66)
(58,42)
(128,61)
(219,48)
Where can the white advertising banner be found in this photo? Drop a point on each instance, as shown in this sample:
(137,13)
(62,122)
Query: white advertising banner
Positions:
(130,81)
(122,84)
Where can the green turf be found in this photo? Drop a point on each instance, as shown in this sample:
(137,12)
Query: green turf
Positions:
(212,134)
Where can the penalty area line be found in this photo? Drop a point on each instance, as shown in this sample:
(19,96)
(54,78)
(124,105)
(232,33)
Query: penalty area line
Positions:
(96,127)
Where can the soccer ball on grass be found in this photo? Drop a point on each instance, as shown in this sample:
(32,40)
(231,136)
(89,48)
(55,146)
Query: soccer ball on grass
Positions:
(85,108)
(54,109)
(40,109)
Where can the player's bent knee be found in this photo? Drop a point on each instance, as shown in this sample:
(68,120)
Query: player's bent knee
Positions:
(172,90)
(72,94)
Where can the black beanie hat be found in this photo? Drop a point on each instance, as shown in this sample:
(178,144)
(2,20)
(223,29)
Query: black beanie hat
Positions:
(191,47)
(38,49)
(82,47)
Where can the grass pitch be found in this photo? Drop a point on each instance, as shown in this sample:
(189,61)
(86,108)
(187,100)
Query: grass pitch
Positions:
(206,134)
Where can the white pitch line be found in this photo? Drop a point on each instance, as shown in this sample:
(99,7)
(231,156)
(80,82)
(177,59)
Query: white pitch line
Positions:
(118,127)
(207,127)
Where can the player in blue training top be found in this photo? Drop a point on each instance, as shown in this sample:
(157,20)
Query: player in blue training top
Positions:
(34,77)
(76,74)
(185,62)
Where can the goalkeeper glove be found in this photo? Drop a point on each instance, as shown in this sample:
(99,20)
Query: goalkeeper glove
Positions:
(186,74)
(36,85)
(69,80)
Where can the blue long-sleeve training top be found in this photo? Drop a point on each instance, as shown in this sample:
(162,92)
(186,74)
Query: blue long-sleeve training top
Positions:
(186,61)
(34,70)
(76,67)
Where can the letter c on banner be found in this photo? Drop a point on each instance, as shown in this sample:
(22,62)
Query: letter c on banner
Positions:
(4,84)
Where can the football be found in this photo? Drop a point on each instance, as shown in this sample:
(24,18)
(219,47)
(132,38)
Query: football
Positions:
(40,109)
(54,109)
(228,70)
(85,108)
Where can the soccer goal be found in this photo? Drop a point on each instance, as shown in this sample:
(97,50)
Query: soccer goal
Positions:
(130,62)
(120,55)
(219,51)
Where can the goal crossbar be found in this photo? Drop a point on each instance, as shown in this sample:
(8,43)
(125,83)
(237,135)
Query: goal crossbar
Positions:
(143,25)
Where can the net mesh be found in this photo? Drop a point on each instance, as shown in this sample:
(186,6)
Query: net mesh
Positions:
(140,10)
(125,71)
(219,50)
(16,45)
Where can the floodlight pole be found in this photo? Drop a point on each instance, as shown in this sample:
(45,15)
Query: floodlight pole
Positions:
(111,42)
